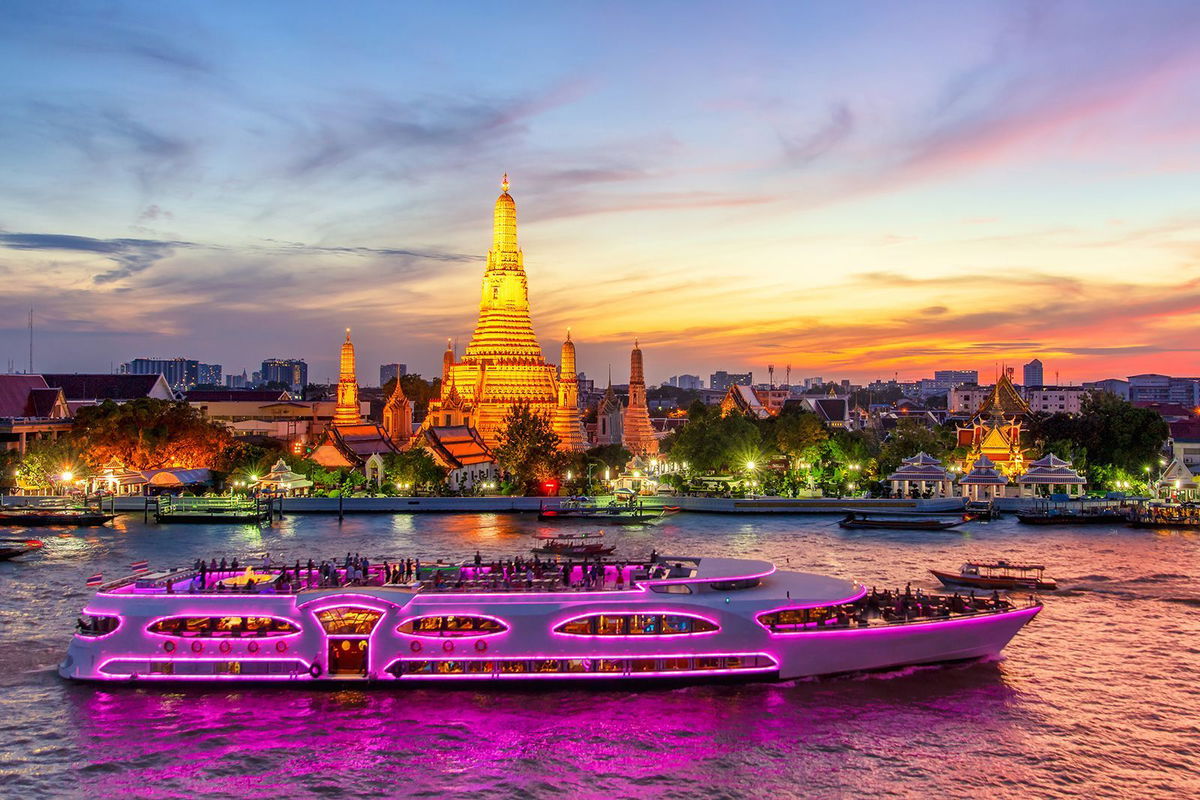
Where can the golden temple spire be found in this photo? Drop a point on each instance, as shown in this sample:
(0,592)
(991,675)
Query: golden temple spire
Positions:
(346,412)
(504,183)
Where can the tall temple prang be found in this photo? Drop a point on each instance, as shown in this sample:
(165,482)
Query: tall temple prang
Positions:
(567,422)
(638,434)
(503,363)
(397,416)
(347,412)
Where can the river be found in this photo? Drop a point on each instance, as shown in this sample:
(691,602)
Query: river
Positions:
(1098,697)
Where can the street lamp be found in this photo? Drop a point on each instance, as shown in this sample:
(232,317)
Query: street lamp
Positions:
(750,465)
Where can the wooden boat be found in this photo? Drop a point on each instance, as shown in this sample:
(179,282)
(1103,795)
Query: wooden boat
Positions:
(1108,517)
(615,514)
(859,519)
(45,517)
(580,544)
(11,548)
(998,575)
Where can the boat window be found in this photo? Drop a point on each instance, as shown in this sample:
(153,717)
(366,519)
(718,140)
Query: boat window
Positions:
(223,626)
(348,620)
(612,666)
(451,626)
(97,625)
(636,625)
(671,588)
(793,619)
(733,586)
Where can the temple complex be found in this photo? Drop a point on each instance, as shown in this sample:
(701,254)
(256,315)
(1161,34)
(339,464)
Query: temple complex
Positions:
(638,434)
(351,441)
(995,430)
(503,363)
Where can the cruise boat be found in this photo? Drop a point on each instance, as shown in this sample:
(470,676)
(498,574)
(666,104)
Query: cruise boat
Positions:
(675,618)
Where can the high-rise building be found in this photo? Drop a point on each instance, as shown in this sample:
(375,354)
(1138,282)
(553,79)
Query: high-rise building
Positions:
(721,380)
(503,363)
(181,374)
(1033,374)
(236,381)
(388,372)
(1152,388)
(291,372)
(956,377)
(209,374)
(689,382)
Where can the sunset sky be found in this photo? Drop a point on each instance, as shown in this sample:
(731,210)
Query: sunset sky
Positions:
(854,189)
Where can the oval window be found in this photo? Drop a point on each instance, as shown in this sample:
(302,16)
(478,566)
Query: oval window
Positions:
(442,626)
(223,627)
(659,624)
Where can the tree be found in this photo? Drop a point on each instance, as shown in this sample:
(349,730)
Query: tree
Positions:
(909,438)
(798,435)
(1108,432)
(529,448)
(150,434)
(713,443)
(414,467)
(45,461)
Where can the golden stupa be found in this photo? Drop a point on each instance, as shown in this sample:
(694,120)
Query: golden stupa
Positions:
(503,363)
(346,412)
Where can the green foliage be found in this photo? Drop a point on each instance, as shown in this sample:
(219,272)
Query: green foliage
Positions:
(416,467)
(712,443)
(150,434)
(1108,432)
(799,436)
(909,438)
(46,460)
(529,448)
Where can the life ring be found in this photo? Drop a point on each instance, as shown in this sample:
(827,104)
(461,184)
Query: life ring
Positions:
(169,647)
(197,647)
(315,670)
(448,646)
(481,645)
(281,647)
(414,646)
(226,647)
(252,647)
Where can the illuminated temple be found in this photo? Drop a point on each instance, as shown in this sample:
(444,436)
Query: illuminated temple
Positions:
(351,441)
(503,363)
(995,430)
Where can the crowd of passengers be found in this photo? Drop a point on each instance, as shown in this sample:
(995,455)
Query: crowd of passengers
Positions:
(889,606)
(357,570)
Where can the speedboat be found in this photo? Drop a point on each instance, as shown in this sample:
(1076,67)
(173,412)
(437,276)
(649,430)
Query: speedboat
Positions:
(998,575)
(674,618)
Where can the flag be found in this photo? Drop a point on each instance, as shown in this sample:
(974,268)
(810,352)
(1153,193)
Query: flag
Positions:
(140,566)
(95,580)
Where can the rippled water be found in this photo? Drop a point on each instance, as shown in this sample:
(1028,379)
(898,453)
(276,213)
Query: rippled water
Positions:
(1099,697)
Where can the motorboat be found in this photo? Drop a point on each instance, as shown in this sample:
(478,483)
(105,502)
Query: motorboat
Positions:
(11,548)
(615,513)
(670,618)
(998,575)
(574,544)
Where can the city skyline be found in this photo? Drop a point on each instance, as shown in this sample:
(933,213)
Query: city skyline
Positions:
(855,191)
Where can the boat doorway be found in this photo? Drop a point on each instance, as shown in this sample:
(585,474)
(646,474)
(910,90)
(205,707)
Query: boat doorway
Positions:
(348,657)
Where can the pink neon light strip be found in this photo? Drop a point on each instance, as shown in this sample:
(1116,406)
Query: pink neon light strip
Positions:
(901,627)
(230,638)
(722,579)
(774,665)
(554,627)
(304,673)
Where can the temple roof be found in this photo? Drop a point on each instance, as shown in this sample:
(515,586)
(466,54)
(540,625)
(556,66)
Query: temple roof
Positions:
(984,473)
(456,446)
(357,442)
(1177,476)
(102,386)
(921,467)
(1004,400)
